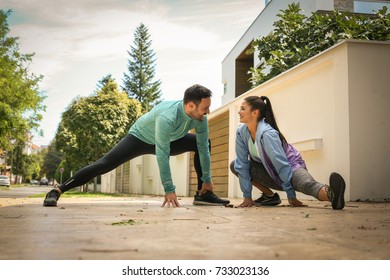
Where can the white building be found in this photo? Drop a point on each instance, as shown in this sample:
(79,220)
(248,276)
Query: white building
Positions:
(236,64)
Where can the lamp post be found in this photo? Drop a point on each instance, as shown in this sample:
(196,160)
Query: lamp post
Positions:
(10,170)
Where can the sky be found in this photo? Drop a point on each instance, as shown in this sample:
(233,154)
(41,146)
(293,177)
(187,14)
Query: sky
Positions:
(76,43)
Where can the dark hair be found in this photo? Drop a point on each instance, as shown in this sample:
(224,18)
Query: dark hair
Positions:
(195,94)
(263,104)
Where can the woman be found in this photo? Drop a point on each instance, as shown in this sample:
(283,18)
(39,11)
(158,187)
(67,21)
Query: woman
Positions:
(267,161)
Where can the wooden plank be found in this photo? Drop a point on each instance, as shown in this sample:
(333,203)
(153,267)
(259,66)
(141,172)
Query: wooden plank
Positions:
(219,137)
(218,133)
(220,180)
(220,164)
(220,172)
(219,141)
(219,149)
(218,126)
(220,156)
(220,117)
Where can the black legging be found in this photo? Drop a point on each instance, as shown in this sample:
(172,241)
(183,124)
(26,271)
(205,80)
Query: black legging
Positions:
(128,148)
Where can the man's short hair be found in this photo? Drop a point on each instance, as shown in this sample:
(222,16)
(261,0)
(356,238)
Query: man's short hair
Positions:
(195,94)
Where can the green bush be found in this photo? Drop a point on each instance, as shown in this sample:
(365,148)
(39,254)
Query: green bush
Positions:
(297,37)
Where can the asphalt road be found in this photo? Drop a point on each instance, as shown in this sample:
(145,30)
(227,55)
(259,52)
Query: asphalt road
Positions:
(23,191)
(138,228)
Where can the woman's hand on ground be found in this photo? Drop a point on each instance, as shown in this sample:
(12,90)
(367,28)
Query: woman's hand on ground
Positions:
(248,202)
(296,203)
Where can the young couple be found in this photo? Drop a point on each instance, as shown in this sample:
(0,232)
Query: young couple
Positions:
(264,158)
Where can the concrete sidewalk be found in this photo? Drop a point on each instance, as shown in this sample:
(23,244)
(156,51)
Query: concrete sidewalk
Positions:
(126,228)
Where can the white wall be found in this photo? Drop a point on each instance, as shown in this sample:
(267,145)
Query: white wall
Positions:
(145,175)
(108,182)
(334,109)
(369,100)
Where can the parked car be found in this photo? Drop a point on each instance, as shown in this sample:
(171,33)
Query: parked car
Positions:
(44,182)
(4,180)
(34,182)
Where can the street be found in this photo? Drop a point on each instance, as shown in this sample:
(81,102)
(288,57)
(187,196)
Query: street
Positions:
(137,227)
(23,191)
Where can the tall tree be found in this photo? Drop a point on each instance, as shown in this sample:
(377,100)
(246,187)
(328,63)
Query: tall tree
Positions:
(34,164)
(18,160)
(139,82)
(21,101)
(92,125)
(51,159)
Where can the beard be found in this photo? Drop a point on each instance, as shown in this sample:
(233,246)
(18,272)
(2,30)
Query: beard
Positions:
(196,116)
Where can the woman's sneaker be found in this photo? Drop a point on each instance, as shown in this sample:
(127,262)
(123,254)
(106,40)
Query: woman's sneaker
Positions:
(268,200)
(209,198)
(51,198)
(336,191)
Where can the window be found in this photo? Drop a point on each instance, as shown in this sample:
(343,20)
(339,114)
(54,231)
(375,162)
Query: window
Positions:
(368,7)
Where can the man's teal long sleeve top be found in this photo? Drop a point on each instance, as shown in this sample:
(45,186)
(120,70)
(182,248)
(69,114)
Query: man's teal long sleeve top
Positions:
(168,122)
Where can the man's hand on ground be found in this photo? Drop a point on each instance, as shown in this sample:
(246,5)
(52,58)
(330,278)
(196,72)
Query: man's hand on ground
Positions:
(171,199)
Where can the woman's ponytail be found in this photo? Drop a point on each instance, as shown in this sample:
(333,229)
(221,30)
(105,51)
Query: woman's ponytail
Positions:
(270,117)
(263,104)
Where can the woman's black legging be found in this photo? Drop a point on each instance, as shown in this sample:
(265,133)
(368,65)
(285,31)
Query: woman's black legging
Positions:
(128,148)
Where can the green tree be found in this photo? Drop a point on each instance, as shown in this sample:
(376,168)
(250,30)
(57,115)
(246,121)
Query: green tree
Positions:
(33,168)
(18,160)
(22,165)
(139,82)
(21,101)
(92,125)
(52,158)
(297,37)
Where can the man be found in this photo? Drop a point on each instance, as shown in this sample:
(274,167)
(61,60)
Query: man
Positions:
(164,132)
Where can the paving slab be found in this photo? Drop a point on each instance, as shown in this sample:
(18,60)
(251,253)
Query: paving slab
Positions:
(138,228)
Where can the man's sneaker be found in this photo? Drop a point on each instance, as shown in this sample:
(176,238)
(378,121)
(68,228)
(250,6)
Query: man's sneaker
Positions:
(51,198)
(268,200)
(209,198)
(336,191)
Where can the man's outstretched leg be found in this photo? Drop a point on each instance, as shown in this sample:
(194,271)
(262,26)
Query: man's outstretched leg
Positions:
(129,147)
(52,197)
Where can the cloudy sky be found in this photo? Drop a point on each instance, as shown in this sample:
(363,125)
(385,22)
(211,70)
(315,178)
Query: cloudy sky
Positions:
(76,43)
